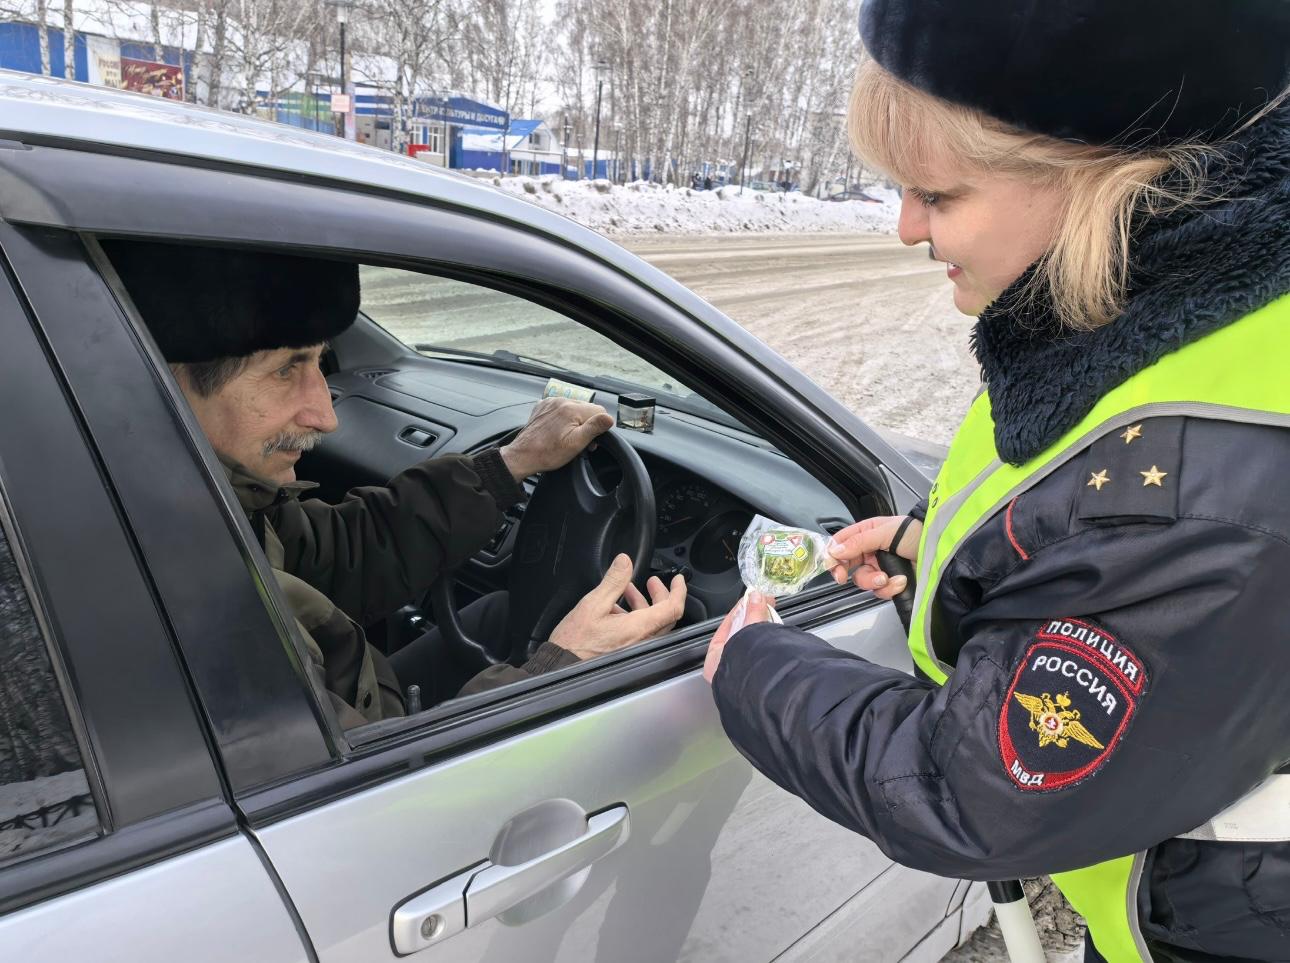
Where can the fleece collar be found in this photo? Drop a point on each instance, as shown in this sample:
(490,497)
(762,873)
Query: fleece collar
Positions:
(1192,273)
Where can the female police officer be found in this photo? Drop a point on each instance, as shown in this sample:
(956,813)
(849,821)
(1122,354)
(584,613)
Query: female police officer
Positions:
(1103,610)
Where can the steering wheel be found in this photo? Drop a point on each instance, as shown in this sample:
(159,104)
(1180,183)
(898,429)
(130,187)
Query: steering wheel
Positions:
(570,532)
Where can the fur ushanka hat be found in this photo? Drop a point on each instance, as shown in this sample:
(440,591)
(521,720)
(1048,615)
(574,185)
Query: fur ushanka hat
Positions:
(1131,73)
(206,303)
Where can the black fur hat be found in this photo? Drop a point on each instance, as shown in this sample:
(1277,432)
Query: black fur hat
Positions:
(1133,73)
(206,303)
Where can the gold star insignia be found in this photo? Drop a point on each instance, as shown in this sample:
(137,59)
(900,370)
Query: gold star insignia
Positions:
(1099,479)
(1153,477)
(1134,432)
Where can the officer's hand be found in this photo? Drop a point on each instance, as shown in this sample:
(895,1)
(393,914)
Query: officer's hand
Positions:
(598,624)
(752,607)
(558,430)
(855,547)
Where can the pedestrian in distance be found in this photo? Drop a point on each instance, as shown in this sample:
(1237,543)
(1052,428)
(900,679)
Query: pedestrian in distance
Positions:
(1101,624)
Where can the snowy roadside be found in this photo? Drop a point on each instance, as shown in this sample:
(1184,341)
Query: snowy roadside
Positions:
(646,208)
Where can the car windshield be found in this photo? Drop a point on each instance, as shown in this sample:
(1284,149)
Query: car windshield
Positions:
(445,318)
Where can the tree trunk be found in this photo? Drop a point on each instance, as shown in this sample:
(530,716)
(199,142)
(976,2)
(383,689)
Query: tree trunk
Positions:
(69,40)
(154,15)
(199,41)
(42,26)
(215,71)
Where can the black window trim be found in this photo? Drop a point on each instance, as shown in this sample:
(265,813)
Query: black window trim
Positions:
(574,688)
(275,603)
(65,283)
(487,716)
(93,775)
(53,495)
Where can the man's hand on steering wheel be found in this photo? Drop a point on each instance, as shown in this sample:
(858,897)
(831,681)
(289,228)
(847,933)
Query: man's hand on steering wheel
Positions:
(598,624)
(558,429)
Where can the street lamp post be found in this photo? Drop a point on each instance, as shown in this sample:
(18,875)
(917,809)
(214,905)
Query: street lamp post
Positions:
(601,68)
(342,17)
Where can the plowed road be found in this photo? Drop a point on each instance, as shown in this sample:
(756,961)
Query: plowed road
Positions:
(869,319)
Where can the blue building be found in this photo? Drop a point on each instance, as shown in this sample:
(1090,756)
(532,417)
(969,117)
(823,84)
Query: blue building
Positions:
(522,147)
(20,50)
(436,121)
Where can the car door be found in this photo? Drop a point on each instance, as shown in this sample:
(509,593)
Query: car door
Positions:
(116,839)
(589,814)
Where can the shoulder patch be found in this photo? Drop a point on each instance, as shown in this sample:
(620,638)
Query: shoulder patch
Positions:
(1132,473)
(1071,699)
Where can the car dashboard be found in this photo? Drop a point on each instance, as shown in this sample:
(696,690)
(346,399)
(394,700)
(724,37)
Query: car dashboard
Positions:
(709,477)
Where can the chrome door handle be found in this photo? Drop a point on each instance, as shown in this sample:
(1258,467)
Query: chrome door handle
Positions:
(487,889)
(496,889)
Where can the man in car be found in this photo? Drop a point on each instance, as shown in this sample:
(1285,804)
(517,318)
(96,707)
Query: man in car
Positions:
(244,334)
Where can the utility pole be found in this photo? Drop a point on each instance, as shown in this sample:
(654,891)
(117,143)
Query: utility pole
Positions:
(600,67)
(347,119)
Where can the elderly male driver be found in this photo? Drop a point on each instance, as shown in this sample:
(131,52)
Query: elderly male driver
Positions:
(244,333)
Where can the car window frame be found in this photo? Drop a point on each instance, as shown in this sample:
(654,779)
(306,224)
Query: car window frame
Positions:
(402,745)
(76,721)
(154,779)
(173,197)
(68,277)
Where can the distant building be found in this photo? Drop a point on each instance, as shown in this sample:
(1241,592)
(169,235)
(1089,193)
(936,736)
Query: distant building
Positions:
(522,147)
(606,164)
(107,61)
(126,59)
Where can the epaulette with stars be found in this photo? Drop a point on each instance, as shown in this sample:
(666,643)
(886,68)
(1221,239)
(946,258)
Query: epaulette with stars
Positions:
(1131,474)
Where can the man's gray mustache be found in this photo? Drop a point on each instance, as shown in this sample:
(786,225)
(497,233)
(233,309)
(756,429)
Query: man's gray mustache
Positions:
(288,441)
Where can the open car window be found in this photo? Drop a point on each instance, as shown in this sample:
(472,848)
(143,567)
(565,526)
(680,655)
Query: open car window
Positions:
(444,316)
(350,570)
(450,318)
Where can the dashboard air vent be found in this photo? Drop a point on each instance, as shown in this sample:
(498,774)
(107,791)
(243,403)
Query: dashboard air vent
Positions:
(374,374)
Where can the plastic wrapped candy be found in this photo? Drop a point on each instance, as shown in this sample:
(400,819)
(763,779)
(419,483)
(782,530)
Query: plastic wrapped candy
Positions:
(779,560)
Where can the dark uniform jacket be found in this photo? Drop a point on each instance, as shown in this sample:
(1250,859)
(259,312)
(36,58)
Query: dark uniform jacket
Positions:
(348,565)
(1161,612)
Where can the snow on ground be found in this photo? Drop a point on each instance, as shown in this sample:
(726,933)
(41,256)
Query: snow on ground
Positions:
(646,208)
(26,798)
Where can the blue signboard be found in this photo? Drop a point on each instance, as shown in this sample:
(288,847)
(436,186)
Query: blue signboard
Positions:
(460,110)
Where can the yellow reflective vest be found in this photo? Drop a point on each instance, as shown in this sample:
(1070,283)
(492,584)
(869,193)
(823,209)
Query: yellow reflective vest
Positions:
(1238,373)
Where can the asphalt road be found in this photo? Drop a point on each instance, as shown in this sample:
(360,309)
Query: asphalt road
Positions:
(870,320)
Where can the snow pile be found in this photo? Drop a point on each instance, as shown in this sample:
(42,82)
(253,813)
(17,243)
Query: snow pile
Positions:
(642,207)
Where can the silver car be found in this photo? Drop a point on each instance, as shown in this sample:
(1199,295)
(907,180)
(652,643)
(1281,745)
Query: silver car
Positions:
(172,788)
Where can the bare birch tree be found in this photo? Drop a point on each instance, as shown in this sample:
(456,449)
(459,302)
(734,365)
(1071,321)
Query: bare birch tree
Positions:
(69,40)
(407,45)
(265,45)
(42,28)
(688,77)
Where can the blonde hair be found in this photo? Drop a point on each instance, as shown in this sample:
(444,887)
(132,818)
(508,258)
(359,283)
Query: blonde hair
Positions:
(901,131)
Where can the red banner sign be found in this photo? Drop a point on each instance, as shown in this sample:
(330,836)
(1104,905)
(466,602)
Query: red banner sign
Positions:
(147,77)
